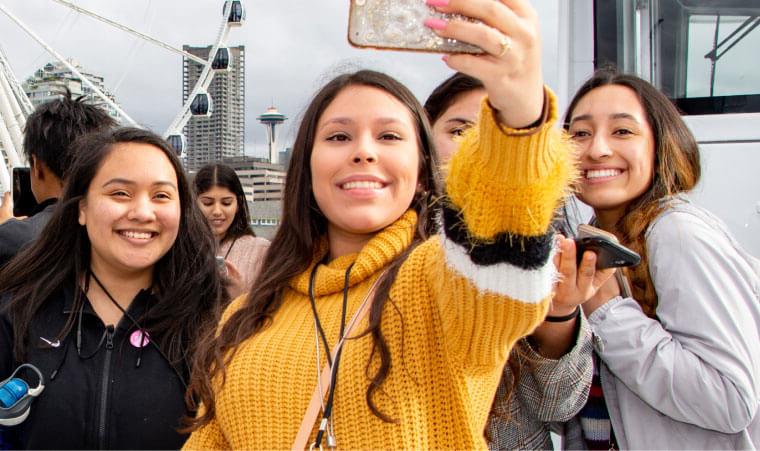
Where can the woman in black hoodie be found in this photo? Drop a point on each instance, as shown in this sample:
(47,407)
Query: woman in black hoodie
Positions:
(109,302)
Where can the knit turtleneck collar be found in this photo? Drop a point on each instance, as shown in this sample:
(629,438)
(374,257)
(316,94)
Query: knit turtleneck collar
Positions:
(374,256)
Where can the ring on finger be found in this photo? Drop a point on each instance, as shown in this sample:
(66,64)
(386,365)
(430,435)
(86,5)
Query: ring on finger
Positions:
(506,45)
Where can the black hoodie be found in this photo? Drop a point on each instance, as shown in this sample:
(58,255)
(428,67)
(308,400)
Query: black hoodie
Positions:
(107,393)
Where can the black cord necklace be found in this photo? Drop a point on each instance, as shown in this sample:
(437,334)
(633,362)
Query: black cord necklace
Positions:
(327,408)
(79,329)
(135,324)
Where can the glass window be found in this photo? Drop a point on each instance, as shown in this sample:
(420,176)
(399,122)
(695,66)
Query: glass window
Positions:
(719,48)
(698,52)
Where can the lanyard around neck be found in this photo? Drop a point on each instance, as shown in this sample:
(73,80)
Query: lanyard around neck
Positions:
(327,407)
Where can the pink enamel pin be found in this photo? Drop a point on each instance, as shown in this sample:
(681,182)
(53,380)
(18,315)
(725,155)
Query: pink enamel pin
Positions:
(139,338)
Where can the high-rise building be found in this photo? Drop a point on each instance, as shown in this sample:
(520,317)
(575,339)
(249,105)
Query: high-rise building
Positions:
(221,135)
(49,83)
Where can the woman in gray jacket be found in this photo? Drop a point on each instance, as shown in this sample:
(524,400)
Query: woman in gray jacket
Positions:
(679,357)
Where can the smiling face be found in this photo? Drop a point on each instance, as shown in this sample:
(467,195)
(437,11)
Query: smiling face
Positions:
(131,210)
(616,145)
(219,206)
(364,164)
(457,118)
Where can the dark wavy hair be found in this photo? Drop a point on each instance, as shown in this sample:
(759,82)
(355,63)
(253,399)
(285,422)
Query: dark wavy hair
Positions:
(223,176)
(186,282)
(448,92)
(676,169)
(297,240)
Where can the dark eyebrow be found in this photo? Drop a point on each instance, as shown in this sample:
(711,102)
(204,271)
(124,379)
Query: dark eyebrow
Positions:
(460,120)
(624,116)
(204,196)
(130,182)
(346,120)
(588,117)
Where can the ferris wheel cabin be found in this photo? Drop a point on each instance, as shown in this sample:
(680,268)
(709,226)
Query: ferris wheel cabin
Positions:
(178,143)
(237,12)
(222,60)
(202,104)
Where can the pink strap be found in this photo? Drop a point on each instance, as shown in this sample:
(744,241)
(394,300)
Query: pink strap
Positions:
(315,405)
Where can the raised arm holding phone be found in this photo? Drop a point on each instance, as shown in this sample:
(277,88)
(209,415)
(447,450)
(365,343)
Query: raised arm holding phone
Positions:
(358,235)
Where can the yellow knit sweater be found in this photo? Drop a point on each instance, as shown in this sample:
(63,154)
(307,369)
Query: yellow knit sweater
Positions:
(457,306)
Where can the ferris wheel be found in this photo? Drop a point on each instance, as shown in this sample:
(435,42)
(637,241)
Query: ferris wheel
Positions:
(15,106)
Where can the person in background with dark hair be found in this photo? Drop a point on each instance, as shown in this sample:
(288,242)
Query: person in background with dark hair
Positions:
(678,362)
(548,374)
(109,303)
(48,135)
(360,234)
(222,200)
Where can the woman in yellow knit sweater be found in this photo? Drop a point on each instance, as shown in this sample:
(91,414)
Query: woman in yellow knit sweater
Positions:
(419,371)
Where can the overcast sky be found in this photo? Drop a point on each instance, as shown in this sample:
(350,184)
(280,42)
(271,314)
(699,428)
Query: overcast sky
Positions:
(292,48)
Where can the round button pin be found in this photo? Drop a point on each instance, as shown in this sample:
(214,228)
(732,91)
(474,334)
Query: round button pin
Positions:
(139,338)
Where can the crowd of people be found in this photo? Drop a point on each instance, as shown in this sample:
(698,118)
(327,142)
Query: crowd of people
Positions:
(423,290)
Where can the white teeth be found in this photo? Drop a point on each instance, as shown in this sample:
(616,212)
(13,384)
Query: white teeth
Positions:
(598,173)
(364,184)
(137,235)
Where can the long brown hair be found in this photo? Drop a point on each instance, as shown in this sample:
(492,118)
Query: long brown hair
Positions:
(296,243)
(187,285)
(676,169)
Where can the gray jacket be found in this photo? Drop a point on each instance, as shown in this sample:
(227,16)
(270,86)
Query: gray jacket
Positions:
(691,379)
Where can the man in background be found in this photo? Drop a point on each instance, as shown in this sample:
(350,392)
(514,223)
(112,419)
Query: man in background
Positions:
(50,130)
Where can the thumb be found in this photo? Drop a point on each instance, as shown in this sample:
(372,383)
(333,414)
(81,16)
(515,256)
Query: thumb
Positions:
(6,209)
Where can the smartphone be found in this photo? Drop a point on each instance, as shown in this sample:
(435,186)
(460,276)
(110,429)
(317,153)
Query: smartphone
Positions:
(24,203)
(609,252)
(399,25)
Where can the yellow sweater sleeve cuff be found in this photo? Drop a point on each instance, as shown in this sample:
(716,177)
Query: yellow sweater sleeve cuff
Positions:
(509,180)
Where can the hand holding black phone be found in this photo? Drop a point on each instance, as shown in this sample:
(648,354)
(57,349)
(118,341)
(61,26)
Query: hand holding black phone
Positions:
(609,253)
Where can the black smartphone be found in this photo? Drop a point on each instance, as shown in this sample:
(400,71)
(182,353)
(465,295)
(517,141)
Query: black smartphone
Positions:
(609,254)
(24,203)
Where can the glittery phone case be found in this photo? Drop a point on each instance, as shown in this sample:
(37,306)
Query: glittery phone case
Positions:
(399,25)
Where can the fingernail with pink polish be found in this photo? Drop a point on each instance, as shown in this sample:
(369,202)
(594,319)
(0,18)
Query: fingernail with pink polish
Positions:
(435,24)
(437,2)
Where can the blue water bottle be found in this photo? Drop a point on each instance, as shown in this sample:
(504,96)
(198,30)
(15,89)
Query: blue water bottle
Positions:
(16,396)
(12,391)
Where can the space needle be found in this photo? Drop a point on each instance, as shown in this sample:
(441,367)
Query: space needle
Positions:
(270,119)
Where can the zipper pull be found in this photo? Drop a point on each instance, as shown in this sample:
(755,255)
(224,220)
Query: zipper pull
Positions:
(109,337)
